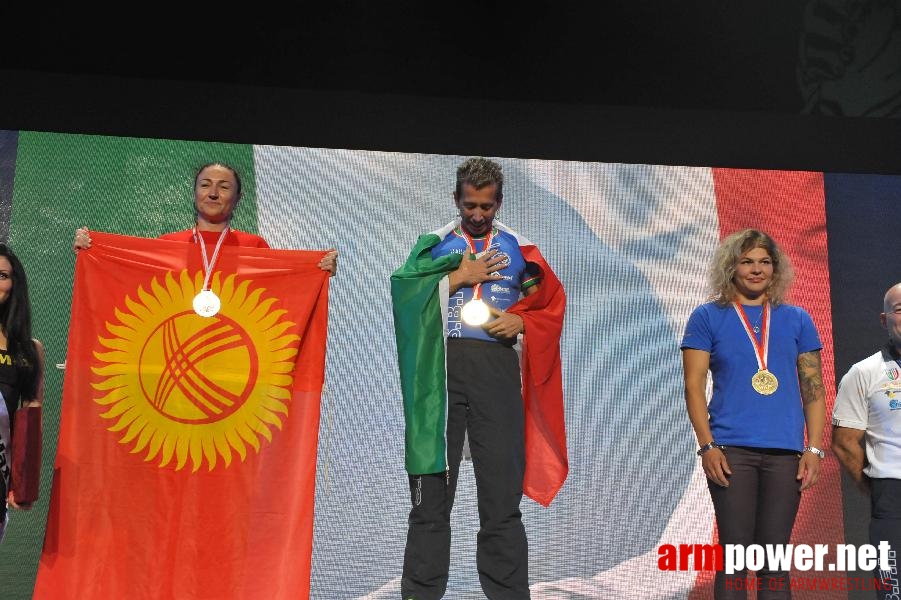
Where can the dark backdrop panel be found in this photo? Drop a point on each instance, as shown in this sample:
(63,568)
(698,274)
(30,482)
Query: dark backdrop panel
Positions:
(341,119)
(864,245)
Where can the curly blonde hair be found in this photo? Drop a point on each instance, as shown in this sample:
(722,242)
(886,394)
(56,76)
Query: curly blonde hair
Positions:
(727,255)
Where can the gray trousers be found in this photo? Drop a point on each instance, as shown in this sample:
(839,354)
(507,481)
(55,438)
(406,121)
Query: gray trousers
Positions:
(485,400)
(758,507)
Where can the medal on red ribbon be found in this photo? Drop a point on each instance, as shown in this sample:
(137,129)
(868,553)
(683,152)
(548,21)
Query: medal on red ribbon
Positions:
(206,303)
(763,381)
(475,312)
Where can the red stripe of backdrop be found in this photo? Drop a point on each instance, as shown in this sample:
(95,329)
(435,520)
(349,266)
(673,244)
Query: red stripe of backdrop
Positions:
(790,206)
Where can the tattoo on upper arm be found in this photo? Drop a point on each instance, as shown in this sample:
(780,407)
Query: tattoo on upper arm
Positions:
(810,376)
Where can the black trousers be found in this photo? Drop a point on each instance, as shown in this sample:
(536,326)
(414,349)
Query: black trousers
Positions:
(485,400)
(885,524)
(758,507)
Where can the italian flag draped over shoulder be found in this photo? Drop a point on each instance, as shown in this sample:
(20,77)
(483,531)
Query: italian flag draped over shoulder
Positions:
(420,292)
(186,463)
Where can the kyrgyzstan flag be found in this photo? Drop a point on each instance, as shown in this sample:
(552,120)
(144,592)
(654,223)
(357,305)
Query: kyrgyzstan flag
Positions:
(187,449)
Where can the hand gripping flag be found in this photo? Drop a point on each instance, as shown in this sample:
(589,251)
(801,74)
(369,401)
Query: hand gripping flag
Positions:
(419,290)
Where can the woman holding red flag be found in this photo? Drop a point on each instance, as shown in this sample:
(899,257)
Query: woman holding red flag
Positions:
(217,190)
(764,357)
(21,366)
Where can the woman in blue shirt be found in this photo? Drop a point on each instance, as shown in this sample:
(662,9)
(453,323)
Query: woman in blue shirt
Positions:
(764,358)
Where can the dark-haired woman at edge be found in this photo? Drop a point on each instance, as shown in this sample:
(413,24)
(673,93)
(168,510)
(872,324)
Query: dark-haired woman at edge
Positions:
(21,366)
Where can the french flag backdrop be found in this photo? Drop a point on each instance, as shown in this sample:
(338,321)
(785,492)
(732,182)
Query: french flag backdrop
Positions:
(631,244)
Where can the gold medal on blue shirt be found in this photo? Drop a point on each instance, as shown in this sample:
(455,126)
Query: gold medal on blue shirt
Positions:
(763,381)
(475,312)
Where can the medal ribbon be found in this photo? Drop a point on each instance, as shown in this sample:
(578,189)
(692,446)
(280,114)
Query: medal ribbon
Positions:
(761,351)
(209,264)
(471,244)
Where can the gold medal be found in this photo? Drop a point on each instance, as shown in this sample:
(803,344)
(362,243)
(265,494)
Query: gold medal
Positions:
(764,382)
(206,303)
(475,313)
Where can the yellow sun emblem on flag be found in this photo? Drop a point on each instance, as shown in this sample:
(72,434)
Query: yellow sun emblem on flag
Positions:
(183,387)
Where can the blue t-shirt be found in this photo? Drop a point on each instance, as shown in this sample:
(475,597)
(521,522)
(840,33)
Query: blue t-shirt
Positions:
(502,294)
(739,416)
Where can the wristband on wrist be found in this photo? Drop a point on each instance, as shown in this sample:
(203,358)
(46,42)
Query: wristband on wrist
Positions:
(708,446)
(815,450)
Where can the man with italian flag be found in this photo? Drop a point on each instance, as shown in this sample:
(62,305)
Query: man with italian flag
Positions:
(465,296)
